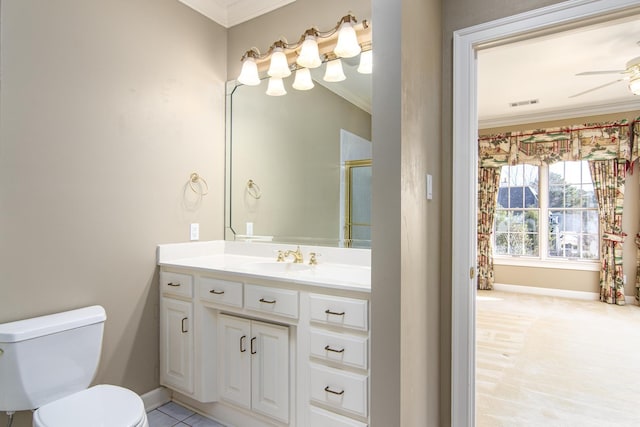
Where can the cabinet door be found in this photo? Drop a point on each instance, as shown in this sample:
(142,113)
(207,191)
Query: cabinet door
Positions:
(270,370)
(176,344)
(235,360)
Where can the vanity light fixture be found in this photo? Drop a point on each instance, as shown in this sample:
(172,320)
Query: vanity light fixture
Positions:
(334,72)
(348,45)
(366,62)
(346,40)
(303,79)
(276,87)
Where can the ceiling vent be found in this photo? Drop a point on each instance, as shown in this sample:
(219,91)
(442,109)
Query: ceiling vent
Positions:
(521,103)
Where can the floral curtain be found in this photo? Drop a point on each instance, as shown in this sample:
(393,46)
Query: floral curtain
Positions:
(608,179)
(488,185)
(608,148)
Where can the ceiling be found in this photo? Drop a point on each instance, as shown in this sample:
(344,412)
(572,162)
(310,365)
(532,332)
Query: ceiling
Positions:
(233,12)
(544,69)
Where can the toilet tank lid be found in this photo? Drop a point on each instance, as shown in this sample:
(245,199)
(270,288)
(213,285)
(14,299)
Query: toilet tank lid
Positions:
(26,329)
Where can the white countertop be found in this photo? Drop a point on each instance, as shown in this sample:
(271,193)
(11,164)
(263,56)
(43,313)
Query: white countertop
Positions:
(337,268)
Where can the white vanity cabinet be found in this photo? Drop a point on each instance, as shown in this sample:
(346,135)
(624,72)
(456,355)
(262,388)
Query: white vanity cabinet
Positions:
(176,331)
(266,348)
(254,365)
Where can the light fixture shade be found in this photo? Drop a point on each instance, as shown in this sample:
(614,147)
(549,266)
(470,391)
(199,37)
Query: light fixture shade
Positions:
(309,55)
(366,62)
(279,68)
(634,85)
(276,87)
(249,73)
(333,72)
(303,79)
(347,46)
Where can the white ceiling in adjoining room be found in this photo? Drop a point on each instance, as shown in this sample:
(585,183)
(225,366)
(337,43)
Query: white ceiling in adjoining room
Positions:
(543,70)
(233,12)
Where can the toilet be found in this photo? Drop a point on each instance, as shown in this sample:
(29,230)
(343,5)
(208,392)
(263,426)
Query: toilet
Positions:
(46,365)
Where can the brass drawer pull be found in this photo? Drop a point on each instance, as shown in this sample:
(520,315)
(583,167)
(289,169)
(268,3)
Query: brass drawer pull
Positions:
(266,301)
(173,284)
(339,393)
(333,349)
(242,348)
(334,312)
(213,291)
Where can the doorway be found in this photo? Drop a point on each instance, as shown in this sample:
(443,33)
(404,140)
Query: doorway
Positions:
(465,131)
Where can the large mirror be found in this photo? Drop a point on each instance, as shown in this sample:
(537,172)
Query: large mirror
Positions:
(299,165)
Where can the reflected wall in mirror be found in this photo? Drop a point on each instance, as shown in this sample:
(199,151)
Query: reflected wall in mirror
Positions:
(295,149)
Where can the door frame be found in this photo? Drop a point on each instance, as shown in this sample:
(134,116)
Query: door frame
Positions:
(466,42)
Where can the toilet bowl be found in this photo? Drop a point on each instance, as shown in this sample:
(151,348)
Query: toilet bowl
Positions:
(102,405)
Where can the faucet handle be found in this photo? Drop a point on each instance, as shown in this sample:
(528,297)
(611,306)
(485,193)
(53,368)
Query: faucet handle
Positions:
(280,256)
(313,258)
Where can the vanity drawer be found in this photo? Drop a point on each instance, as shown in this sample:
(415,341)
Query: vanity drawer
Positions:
(176,284)
(221,291)
(339,311)
(322,418)
(283,302)
(339,389)
(341,348)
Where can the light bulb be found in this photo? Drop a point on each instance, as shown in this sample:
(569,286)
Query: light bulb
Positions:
(276,87)
(634,85)
(366,62)
(303,79)
(249,73)
(279,67)
(347,46)
(333,72)
(309,55)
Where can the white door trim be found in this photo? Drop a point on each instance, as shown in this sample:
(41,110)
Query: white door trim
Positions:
(465,158)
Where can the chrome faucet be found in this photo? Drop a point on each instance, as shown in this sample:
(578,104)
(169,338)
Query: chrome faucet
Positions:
(297,255)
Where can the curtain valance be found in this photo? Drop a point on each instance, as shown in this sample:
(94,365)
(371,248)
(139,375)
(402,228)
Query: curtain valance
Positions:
(601,141)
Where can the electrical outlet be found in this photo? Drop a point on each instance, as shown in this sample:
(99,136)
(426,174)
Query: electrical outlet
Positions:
(195,231)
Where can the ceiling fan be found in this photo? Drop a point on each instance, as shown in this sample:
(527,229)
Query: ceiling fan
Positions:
(631,73)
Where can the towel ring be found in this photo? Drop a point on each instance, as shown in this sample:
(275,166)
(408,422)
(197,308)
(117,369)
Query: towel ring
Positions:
(196,179)
(254,189)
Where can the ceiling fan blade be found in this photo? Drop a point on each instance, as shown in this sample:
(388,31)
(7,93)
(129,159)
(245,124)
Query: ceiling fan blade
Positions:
(594,73)
(596,88)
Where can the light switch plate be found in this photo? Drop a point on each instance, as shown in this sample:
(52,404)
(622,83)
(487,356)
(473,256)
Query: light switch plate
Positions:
(195,231)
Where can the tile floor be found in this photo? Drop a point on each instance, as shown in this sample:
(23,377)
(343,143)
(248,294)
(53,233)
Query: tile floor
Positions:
(171,414)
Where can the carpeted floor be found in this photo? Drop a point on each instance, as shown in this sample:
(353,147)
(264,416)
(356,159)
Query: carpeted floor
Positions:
(545,361)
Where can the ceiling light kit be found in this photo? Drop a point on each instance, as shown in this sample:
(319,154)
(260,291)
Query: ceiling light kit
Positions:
(631,73)
(346,40)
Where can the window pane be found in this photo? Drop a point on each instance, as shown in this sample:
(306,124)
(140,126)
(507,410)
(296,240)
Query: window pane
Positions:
(530,176)
(590,220)
(573,196)
(531,244)
(588,196)
(573,221)
(516,245)
(501,221)
(501,246)
(556,196)
(572,172)
(556,173)
(590,246)
(531,221)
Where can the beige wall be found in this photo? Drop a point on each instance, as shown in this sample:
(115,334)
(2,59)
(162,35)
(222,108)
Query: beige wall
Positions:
(456,15)
(106,107)
(574,280)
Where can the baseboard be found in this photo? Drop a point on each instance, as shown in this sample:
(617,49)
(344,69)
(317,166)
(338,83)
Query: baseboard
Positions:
(560,293)
(156,398)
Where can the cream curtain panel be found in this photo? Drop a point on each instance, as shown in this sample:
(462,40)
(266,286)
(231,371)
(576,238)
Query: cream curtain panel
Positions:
(600,143)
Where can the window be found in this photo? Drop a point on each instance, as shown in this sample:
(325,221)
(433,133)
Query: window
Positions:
(563,194)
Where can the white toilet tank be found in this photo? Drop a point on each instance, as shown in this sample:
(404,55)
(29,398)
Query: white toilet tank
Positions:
(45,358)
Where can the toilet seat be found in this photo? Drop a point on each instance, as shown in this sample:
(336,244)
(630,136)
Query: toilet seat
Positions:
(102,405)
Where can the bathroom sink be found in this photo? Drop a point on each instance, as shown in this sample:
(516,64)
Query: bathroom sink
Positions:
(276,267)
